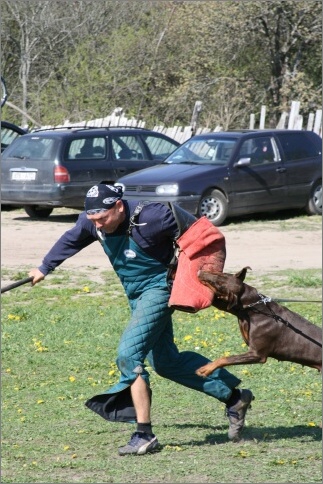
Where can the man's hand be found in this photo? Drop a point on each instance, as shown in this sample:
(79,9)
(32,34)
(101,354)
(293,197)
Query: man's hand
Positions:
(37,276)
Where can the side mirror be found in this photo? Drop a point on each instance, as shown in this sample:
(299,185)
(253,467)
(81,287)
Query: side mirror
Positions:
(242,162)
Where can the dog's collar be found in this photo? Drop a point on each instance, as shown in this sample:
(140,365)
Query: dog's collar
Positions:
(262,300)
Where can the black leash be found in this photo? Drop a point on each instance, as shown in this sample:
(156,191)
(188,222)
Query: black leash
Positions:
(296,300)
(16,284)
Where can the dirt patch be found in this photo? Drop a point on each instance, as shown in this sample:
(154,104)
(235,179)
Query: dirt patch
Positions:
(264,245)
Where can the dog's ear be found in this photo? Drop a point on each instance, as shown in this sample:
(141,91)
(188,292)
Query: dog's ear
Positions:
(242,274)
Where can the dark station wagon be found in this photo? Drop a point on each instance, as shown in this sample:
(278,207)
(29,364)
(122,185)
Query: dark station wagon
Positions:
(225,174)
(54,168)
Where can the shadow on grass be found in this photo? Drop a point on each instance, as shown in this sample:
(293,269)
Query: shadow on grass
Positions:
(264,434)
(265,217)
(59,218)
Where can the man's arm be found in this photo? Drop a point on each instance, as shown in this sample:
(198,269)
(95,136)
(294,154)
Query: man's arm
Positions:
(70,243)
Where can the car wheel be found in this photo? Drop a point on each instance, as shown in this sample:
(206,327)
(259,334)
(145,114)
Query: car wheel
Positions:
(314,204)
(36,211)
(214,206)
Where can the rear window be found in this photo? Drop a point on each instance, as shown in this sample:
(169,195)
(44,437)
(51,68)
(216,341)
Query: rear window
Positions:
(297,146)
(35,147)
(7,137)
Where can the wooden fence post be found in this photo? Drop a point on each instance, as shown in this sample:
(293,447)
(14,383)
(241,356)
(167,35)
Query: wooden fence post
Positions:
(252,121)
(310,122)
(282,121)
(294,110)
(318,122)
(262,117)
(196,111)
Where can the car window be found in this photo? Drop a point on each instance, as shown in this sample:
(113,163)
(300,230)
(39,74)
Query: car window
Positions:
(259,150)
(297,147)
(159,148)
(86,148)
(127,147)
(32,148)
(204,151)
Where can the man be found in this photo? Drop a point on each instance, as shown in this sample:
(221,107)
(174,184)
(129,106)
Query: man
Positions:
(138,239)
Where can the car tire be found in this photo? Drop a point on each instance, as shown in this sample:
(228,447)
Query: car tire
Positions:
(37,211)
(314,204)
(214,206)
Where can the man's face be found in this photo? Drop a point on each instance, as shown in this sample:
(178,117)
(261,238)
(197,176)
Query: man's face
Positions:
(109,220)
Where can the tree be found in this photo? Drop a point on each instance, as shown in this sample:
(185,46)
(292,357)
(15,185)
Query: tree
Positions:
(81,59)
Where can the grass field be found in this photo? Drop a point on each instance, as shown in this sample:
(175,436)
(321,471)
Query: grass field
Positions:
(59,344)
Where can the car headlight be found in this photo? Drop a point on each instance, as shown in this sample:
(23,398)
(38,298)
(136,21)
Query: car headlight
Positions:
(167,189)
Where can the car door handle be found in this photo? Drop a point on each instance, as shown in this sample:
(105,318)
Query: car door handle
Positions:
(281,170)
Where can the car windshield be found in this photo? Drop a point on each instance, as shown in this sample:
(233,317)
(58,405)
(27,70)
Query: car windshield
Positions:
(213,151)
(31,148)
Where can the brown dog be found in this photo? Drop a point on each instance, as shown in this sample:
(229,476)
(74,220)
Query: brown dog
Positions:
(269,329)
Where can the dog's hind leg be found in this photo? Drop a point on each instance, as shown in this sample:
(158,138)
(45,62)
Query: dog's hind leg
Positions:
(243,359)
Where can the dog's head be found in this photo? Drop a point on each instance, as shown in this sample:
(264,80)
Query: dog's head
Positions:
(227,287)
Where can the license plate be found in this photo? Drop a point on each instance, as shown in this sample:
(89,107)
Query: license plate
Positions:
(23,175)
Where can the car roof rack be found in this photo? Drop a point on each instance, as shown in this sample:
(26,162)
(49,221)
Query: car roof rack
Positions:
(80,128)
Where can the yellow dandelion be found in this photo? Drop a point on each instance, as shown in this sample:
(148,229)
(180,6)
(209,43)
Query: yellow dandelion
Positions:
(176,448)
(71,378)
(66,447)
(86,289)
(41,349)
(245,372)
(187,337)
(243,453)
(74,456)
(311,424)
(39,345)
(8,370)
(14,317)
(40,401)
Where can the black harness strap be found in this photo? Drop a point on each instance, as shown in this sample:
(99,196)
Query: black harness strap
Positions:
(135,216)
